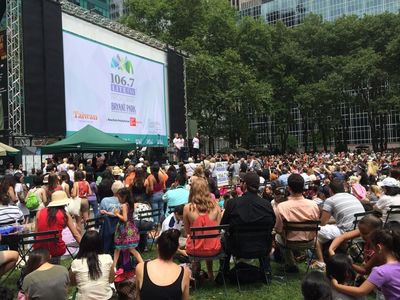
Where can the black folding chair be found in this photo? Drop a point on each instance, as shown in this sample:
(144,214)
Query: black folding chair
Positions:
(203,233)
(26,241)
(238,244)
(94,223)
(393,210)
(309,227)
(146,214)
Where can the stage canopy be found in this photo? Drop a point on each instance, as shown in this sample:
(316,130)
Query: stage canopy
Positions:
(88,139)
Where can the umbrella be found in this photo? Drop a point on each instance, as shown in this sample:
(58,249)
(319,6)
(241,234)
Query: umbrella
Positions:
(7,150)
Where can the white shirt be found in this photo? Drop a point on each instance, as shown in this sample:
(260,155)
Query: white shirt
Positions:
(93,289)
(171,222)
(196,143)
(181,143)
(384,204)
(176,142)
(71,174)
(190,167)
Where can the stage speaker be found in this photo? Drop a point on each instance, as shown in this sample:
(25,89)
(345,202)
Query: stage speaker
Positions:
(43,68)
(176,92)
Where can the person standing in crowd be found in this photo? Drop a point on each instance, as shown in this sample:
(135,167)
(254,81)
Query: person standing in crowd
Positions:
(161,278)
(10,169)
(126,234)
(201,211)
(7,187)
(64,166)
(92,270)
(129,175)
(295,209)
(81,189)
(177,146)
(196,147)
(341,206)
(181,152)
(155,186)
(21,191)
(92,198)
(38,190)
(104,187)
(44,280)
(109,204)
(65,182)
(54,217)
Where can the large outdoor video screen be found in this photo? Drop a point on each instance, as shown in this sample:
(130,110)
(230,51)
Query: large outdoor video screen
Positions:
(114,90)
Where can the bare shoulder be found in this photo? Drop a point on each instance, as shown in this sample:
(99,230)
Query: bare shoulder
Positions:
(139,268)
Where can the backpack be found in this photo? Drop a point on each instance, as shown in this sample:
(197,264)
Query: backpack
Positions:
(32,201)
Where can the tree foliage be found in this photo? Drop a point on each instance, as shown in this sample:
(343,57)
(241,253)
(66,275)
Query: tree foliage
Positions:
(238,67)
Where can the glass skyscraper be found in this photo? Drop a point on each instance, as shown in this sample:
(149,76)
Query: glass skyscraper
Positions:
(293,12)
(102,7)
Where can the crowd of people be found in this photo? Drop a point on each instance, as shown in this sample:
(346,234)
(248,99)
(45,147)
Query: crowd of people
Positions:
(263,192)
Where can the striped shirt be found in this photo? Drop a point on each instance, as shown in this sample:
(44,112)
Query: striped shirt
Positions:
(9,214)
(342,207)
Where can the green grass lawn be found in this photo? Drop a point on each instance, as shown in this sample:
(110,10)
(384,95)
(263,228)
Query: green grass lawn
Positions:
(209,291)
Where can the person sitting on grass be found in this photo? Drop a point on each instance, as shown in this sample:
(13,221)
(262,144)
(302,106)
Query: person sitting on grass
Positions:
(339,266)
(161,278)
(315,286)
(92,271)
(43,280)
(366,226)
(386,277)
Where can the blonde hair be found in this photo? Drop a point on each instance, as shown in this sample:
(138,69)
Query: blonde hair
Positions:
(377,190)
(198,172)
(200,196)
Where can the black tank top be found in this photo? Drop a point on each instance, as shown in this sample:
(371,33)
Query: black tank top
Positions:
(151,291)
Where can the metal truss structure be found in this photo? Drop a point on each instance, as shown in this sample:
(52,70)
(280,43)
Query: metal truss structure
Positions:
(15,68)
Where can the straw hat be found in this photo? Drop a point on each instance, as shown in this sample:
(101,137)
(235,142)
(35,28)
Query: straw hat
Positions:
(59,198)
(116,171)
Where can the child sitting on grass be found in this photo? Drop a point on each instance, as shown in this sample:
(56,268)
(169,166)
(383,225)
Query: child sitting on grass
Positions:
(366,226)
(386,243)
(339,267)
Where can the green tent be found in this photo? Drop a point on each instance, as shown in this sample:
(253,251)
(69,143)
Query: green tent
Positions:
(88,139)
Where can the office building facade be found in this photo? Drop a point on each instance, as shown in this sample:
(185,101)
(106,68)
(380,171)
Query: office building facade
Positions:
(101,7)
(292,13)
(235,3)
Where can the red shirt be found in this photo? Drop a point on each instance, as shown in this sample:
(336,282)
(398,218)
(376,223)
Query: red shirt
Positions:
(55,248)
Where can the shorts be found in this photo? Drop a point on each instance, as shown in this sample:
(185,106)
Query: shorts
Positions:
(328,233)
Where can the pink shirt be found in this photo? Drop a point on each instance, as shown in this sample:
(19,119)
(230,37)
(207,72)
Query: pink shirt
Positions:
(297,210)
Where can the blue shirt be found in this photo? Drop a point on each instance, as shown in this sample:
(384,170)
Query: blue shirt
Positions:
(176,196)
(110,204)
(283,179)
